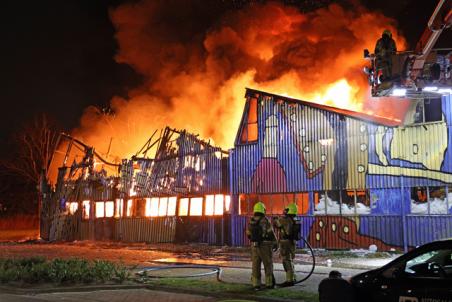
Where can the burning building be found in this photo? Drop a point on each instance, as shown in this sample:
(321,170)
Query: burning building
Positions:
(358,179)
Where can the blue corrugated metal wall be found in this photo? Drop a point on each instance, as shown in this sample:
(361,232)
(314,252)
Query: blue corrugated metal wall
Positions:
(303,148)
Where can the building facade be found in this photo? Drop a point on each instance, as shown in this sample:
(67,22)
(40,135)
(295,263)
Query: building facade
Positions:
(358,180)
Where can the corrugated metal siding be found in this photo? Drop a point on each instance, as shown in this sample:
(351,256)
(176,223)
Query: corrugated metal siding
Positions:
(239,231)
(151,230)
(195,229)
(85,231)
(424,229)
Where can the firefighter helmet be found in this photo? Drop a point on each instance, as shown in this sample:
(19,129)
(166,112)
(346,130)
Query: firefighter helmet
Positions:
(259,207)
(292,209)
(387,32)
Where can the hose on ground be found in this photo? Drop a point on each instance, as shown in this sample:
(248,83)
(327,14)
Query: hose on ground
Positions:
(212,270)
(312,266)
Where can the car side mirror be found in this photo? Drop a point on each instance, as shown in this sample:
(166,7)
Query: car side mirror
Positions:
(366,53)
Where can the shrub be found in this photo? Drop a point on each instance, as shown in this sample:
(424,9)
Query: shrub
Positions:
(34,270)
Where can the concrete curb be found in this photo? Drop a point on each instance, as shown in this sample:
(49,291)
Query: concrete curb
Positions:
(35,291)
(63,289)
(220,295)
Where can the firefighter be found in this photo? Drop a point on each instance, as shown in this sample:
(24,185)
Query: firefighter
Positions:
(384,49)
(289,233)
(263,243)
(336,289)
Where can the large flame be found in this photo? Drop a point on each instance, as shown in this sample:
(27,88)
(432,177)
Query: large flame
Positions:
(196,66)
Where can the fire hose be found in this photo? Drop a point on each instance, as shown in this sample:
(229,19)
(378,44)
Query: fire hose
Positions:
(212,270)
(312,266)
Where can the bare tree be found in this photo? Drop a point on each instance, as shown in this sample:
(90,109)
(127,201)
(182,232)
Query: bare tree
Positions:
(34,146)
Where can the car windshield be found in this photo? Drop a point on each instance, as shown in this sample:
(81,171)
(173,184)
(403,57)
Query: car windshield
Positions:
(431,264)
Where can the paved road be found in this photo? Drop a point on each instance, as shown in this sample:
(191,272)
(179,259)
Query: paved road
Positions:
(130,295)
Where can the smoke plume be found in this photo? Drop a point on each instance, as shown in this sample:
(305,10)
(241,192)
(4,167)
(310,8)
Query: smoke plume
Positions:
(196,62)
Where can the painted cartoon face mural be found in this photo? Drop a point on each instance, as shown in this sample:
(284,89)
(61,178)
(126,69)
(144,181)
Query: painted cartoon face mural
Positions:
(421,148)
(314,142)
(269,175)
(340,233)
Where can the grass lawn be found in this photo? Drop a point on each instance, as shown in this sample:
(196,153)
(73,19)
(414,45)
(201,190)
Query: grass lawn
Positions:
(231,289)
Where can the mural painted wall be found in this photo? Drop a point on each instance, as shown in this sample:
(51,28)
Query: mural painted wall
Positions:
(304,147)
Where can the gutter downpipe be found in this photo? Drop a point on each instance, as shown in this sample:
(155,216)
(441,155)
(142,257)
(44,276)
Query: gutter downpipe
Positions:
(232,206)
(404,222)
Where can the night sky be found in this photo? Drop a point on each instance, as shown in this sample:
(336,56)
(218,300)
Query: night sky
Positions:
(58,56)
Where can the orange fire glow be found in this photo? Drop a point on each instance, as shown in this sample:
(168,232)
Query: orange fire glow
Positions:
(86,209)
(72,207)
(196,206)
(129,207)
(109,208)
(100,209)
(183,206)
(195,77)
(152,207)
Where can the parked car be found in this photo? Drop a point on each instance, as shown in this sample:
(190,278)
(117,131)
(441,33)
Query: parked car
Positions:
(423,274)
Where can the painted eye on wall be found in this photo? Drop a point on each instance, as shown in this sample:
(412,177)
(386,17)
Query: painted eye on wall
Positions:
(317,236)
(321,224)
(334,227)
(346,229)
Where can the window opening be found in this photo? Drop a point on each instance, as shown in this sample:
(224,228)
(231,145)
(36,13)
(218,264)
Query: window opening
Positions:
(172,201)
(250,128)
(196,206)
(109,208)
(183,206)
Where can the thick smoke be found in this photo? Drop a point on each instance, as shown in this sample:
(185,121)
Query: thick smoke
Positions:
(196,63)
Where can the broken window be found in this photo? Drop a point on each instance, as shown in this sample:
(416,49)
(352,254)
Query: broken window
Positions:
(274,203)
(100,209)
(362,201)
(183,206)
(152,207)
(210,203)
(214,205)
(430,200)
(119,210)
(250,128)
(342,202)
(419,200)
(429,110)
(85,207)
(433,110)
(172,206)
(129,207)
(163,206)
(196,206)
(227,203)
(72,207)
(109,208)
(140,207)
